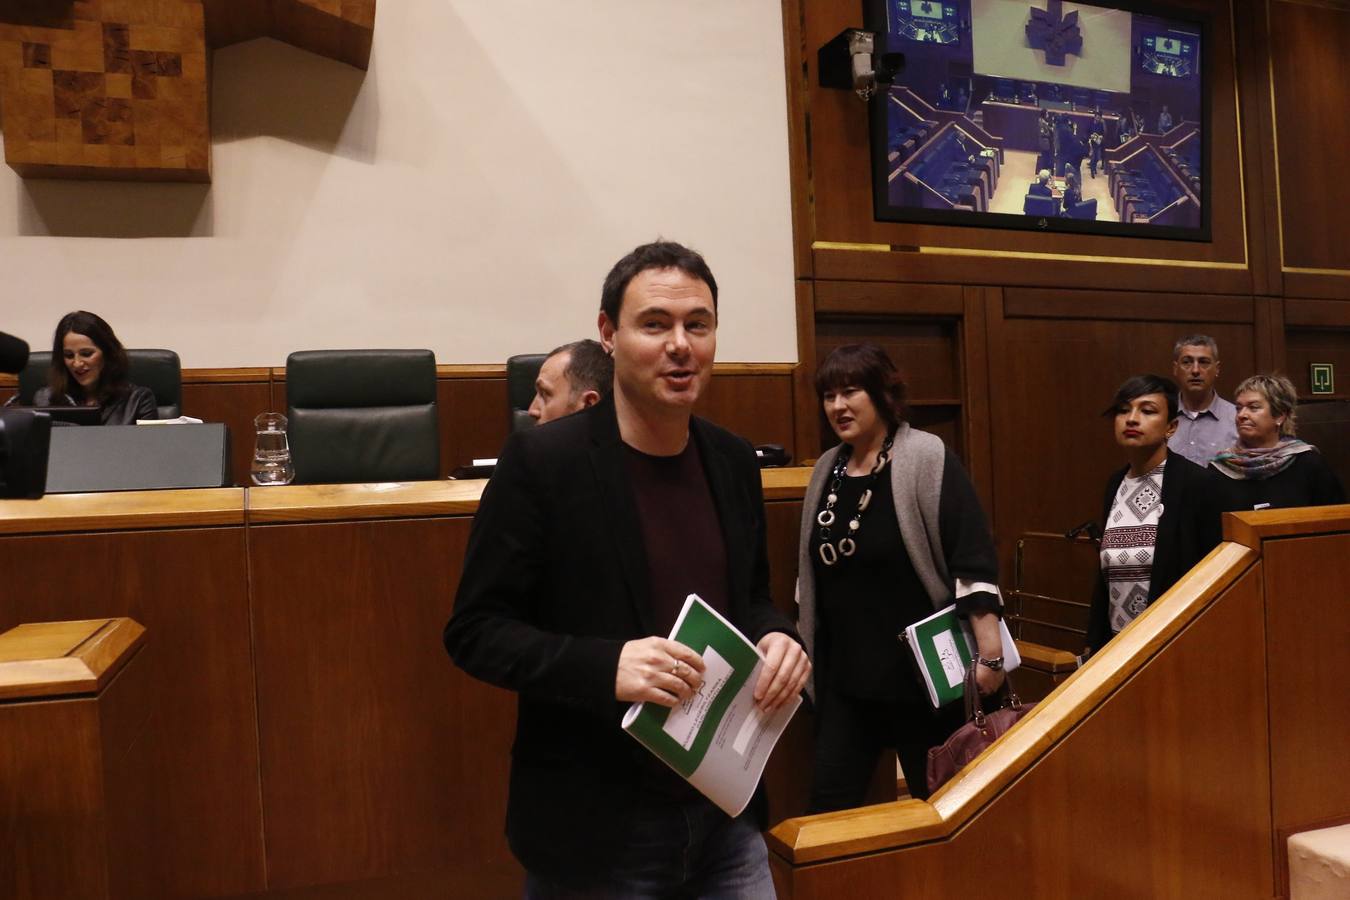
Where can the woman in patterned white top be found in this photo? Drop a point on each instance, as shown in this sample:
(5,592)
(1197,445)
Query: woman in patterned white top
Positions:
(1160,511)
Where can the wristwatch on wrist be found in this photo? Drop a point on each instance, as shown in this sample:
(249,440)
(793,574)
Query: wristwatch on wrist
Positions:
(996,663)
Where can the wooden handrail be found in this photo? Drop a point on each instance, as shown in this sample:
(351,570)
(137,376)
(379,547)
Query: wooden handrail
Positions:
(65,658)
(812,839)
(57,513)
(1250,528)
(125,509)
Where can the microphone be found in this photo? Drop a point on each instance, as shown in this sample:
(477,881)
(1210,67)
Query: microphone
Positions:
(13,354)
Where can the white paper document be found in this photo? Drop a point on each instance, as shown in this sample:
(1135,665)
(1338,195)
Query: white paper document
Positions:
(718,739)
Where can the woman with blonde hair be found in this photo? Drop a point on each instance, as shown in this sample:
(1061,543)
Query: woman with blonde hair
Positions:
(1269,467)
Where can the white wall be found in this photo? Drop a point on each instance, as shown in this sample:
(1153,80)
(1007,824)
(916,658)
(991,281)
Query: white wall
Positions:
(998,33)
(467,194)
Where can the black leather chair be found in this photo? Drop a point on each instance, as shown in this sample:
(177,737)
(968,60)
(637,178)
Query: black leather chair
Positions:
(521,372)
(159,370)
(362,415)
(1085,210)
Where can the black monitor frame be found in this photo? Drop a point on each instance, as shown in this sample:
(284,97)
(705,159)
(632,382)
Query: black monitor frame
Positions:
(69,415)
(875,16)
(25,440)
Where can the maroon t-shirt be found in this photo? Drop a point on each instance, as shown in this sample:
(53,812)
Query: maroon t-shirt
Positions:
(680,531)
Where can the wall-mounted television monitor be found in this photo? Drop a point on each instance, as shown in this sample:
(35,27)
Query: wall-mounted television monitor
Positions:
(1044,115)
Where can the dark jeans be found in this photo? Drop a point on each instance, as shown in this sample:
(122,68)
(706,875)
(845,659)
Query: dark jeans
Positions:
(851,733)
(688,849)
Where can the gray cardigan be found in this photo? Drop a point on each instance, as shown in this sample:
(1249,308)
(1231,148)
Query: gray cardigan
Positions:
(918,461)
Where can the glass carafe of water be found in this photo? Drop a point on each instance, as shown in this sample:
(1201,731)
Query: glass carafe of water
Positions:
(271,451)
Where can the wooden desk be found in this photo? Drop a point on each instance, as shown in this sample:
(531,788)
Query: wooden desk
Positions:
(71,701)
(310,729)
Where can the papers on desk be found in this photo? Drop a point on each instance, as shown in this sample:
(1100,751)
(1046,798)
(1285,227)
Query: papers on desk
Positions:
(181,420)
(718,740)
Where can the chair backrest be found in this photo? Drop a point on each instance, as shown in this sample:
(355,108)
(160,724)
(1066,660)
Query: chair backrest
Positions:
(521,372)
(1085,210)
(159,370)
(362,415)
(1034,205)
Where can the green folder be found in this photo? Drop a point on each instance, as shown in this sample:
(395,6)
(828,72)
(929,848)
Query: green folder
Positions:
(943,646)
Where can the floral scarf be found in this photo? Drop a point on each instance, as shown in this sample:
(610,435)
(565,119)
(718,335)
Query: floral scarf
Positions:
(1241,464)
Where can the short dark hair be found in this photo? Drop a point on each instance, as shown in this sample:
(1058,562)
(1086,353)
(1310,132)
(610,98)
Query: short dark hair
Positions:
(866,366)
(112,381)
(656,255)
(1138,386)
(589,367)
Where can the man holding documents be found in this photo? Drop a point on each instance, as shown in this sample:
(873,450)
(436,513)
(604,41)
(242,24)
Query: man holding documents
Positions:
(591,534)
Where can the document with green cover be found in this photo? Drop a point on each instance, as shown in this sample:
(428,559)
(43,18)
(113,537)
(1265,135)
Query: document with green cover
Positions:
(718,739)
(943,646)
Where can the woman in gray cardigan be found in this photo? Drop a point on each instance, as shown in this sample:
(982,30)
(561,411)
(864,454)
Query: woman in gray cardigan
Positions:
(873,561)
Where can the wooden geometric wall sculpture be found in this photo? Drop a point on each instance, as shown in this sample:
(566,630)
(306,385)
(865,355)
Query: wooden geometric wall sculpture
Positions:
(118,89)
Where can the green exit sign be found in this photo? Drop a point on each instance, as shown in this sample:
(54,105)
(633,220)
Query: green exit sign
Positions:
(1323,378)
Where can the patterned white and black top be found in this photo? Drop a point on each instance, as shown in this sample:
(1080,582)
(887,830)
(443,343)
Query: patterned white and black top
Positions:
(1128,542)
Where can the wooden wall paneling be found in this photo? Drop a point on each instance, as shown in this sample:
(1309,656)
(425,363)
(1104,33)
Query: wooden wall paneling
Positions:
(1054,450)
(213,398)
(787,777)
(276,384)
(120,92)
(126,716)
(996,335)
(1307,346)
(1129,306)
(1311,76)
(1137,801)
(923,349)
(1308,739)
(799,158)
(364,723)
(975,401)
(752,401)
(1268,334)
(895,299)
(1252,38)
(805,407)
(474,419)
(1027,268)
(53,831)
(842,204)
(1316,314)
(189,589)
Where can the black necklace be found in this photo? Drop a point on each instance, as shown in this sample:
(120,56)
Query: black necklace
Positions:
(830,553)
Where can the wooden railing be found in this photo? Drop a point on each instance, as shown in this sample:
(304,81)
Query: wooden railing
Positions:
(1168,766)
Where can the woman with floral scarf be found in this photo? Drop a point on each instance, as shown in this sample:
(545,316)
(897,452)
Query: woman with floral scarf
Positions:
(1268,467)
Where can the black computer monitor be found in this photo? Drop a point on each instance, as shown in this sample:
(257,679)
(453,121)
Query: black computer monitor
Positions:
(25,437)
(69,415)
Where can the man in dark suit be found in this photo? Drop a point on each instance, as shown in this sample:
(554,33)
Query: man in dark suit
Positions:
(572,378)
(1096,138)
(589,536)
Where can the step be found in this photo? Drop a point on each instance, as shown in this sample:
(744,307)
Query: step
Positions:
(1319,864)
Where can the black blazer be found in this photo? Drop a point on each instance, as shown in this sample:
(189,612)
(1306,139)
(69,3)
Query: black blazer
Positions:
(1308,481)
(555,582)
(1187,531)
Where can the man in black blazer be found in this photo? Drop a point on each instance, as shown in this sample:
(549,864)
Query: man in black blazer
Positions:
(589,536)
